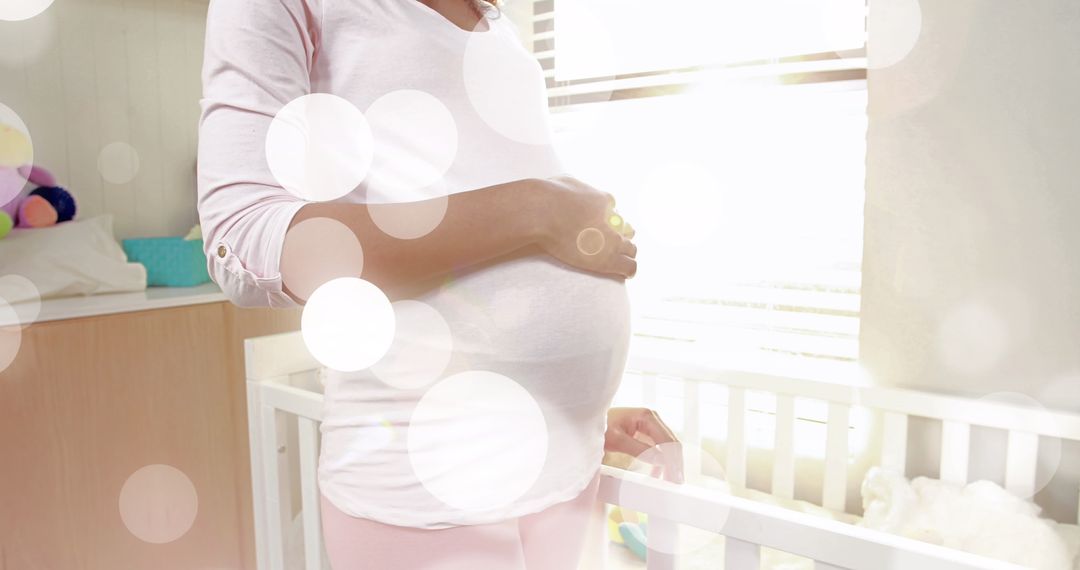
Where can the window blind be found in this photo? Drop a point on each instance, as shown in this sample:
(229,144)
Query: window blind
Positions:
(837,30)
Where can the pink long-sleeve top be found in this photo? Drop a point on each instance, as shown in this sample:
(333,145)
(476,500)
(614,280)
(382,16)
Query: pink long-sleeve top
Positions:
(559,333)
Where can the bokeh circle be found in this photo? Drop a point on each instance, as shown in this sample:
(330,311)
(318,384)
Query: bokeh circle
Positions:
(118,162)
(19,10)
(318,250)
(24,295)
(421,350)
(416,142)
(590,241)
(477,440)
(319,147)
(972,338)
(10,335)
(158,504)
(348,324)
(893,30)
(506,87)
(16,153)
(1048,449)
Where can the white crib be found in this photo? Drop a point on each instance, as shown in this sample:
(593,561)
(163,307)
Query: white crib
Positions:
(285,406)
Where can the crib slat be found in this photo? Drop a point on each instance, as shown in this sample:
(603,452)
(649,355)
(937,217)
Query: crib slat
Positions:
(648,390)
(894,442)
(783,474)
(255,442)
(736,439)
(309,493)
(741,555)
(692,425)
(663,539)
(834,493)
(272,488)
(955,446)
(1021,461)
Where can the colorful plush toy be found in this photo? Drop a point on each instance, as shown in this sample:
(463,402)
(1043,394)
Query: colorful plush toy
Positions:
(22,205)
(628,528)
(29,207)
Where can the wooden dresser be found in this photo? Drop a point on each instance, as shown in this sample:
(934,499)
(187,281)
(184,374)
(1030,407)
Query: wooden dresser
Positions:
(102,387)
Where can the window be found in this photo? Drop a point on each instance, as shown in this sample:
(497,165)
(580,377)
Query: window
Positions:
(744,178)
(733,136)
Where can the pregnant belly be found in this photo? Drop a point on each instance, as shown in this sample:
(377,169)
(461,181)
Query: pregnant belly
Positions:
(559,332)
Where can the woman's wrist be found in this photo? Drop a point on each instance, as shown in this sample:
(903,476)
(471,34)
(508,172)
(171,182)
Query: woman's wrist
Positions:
(535,200)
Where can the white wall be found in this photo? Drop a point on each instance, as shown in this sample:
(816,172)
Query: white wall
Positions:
(972,252)
(87,73)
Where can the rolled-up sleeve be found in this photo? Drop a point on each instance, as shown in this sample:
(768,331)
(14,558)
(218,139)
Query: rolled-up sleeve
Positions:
(258,58)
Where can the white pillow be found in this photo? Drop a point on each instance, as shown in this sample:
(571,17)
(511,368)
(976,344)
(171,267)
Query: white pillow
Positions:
(73,258)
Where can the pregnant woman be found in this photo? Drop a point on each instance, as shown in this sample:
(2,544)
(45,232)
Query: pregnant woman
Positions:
(526,266)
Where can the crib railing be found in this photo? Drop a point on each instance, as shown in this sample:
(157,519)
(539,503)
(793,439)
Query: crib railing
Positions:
(747,526)
(277,405)
(1024,426)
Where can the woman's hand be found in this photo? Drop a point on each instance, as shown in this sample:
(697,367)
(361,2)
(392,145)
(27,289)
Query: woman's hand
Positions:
(581,228)
(633,431)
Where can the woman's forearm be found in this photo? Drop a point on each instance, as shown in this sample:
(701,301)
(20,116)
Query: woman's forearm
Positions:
(478,226)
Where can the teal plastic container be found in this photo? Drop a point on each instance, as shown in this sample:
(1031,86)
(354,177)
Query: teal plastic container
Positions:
(169,261)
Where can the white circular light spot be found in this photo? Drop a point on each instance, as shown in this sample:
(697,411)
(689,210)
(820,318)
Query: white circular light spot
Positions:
(506,87)
(10,335)
(319,147)
(318,250)
(19,10)
(118,163)
(1062,392)
(409,220)
(1047,449)
(893,29)
(477,440)
(972,338)
(590,241)
(700,469)
(843,24)
(348,324)
(158,503)
(16,153)
(421,350)
(21,292)
(416,141)
(680,203)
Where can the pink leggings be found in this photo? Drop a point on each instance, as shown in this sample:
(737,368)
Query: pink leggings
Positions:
(549,540)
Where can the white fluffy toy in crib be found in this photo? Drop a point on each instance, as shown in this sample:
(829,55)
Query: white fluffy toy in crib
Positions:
(981,518)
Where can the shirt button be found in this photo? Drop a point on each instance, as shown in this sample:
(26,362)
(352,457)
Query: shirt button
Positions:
(221,251)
